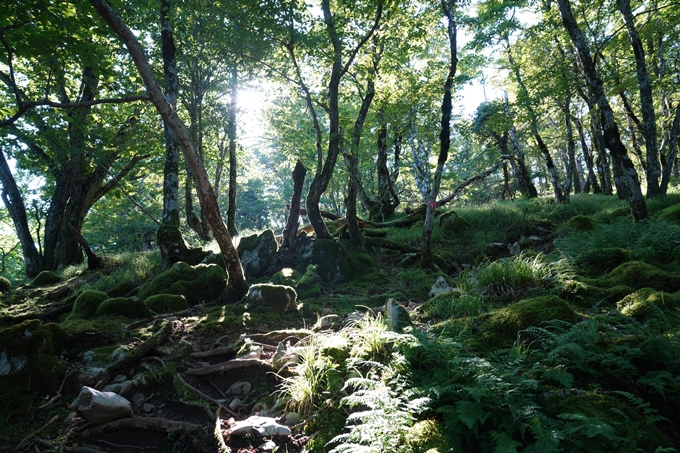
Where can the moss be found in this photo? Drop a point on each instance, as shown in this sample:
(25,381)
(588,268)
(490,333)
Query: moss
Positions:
(202,283)
(632,430)
(86,305)
(45,278)
(451,223)
(28,360)
(278,297)
(503,325)
(600,261)
(286,276)
(639,275)
(166,303)
(309,285)
(5,285)
(581,223)
(428,436)
(124,289)
(61,340)
(335,263)
(589,296)
(123,306)
(646,303)
(671,214)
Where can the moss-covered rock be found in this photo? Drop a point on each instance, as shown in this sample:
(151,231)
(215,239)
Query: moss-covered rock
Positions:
(123,306)
(174,249)
(86,305)
(5,285)
(451,223)
(27,360)
(600,261)
(503,325)
(646,303)
(202,283)
(671,214)
(45,278)
(166,303)
(257,252)
(334,262)
(280,298)
(397,316)
(640,275)
(309,285)
(286,276)
(428,436)
(581,223)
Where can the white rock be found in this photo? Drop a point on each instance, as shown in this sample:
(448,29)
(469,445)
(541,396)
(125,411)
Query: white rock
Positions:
(440,287)
(264,426)
(234,403)
(267,446)
(100,407)
(239,388)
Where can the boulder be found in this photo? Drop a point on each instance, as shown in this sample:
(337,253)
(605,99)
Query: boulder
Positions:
(397,316)
(441,286)
(257,253)
(450,222)
(86,305)
(166,303)
(264,426)
(278,297)
(334,263)
(201,283)
(123,306)
(5,285)
(45,278)
(101,407)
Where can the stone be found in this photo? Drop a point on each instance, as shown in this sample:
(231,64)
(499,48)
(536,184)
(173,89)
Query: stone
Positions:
(280,298)
(268,446)
(86,305)
(440,286)
(328,322)
(236,402)
(397,316)
(101,407)
(257,252)
(515,249)
(334,263)
(123,306)
(291,418)
(148,407)
(5,285)
(198,284)
(45,278)
(138,399)
(264,426)
(166,303)
(239,388)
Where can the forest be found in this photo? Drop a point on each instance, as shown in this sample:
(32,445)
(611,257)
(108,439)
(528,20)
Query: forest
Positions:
(339,226)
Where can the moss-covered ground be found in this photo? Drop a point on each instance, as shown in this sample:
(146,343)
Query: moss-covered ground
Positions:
(571,344)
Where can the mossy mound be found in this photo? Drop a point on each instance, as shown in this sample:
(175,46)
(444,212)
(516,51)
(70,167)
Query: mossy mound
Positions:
(280,298)
(451,223)
(503,325)
(309,285)
(646,303)
(581,223)
(27,360)
(620,428)
(600,261)
(671,214)
(174,249)
(428,436)
(588,295)
(202,283)
(123,306)
(257,252)
(45,278)
(334,263)
(166,303)
(5,285)
(86,305)
(640,275)
(286,276)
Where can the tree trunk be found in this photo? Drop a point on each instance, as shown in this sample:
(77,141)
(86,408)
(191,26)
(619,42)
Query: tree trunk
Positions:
(171,168)
(610,130)
(426,258)
(668,160)
(646,100)
(592,178)
(233,106)
(205,192)
(292,223)
(524,182)
(573,177)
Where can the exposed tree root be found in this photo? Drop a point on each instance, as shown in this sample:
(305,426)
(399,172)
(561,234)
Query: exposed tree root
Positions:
(161,425)
(230,365)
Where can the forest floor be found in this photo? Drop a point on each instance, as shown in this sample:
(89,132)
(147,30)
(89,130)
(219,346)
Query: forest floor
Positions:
(556,328)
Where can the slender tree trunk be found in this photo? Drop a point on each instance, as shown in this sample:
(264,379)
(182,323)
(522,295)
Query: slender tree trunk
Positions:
(205,191)
(646,100)
(524,182)
(573,177)
(611,134)
(233,110)
(171,168)
(426,257)
(588,158)
(669,159)
(290,231)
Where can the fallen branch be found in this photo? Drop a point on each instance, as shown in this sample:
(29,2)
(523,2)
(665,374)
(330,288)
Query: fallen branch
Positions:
(139,352)
(228,366)
(151,423)
(467,182)
(93,261)
(214,352)
(205,396)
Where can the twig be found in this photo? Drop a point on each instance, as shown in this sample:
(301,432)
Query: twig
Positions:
(135,202)
(199,393)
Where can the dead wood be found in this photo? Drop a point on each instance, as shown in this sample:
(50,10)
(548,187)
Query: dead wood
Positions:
(93,261)
(236,364)
(214,352)
(205,396)
(277,336)
(139,352)
(151,423)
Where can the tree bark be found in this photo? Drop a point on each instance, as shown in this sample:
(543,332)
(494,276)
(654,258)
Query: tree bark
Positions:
(610,131)
(233,106)
(646,100)
(668,159)
(524,182)
(426,258)
(592,178)
(291,228)
(204,189)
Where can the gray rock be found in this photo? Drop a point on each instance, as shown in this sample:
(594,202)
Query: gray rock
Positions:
(440,287)
(100,407)
(148,407)
(239,388)
(515,249)
(280,298)
(257,252)
(267,446)
(397,316)
(234,403)
(328,322)
(264,426)
(291,418)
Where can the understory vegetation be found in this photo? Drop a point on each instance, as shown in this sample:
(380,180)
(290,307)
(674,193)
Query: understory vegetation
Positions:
(567,341)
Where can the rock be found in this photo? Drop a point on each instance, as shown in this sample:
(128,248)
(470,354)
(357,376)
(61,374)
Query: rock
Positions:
(440,287)
(496,250)
(45,278)
(166,303)
(239,388)
(397,316)
(279,359)
(86,305)
(236,402)
(309,285)
(453,224)
(123,306)
(254,353)
(291,418)
(280,298)
(515,249)
(267,446)
(148,407)
(100,407)
(257,252)
(5,285)
(198,284)
(138,399)
(264,426)
(328,322)
(334,263)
